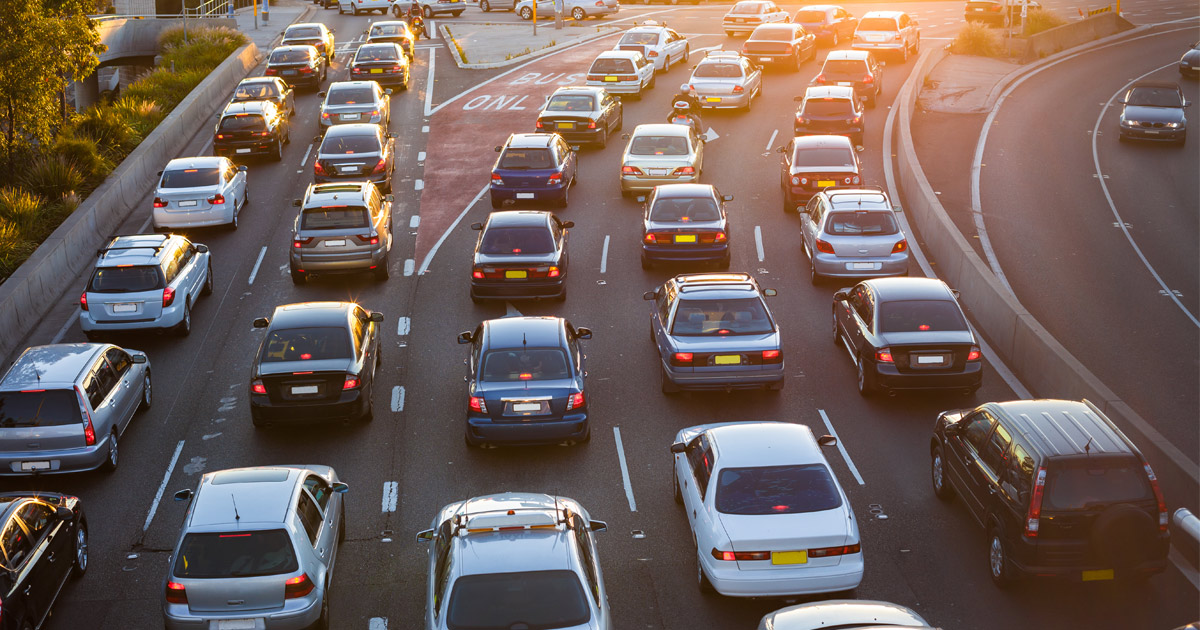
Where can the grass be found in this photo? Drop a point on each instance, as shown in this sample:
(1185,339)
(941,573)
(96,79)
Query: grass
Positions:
(52,177)
(977,39)
(1039,20)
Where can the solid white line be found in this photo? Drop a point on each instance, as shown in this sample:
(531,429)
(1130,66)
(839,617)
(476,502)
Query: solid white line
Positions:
(429,87)
(162,487)
(391,491)
(845,455)
(604,256)
(624,470)
(774,132)
(398,398)
(254,272)
(758,242)
(408,266)
(306,152)
(420,156)
(377,623)
(414,221)
(442,239)
(403,325)
(419,184)
(63,331)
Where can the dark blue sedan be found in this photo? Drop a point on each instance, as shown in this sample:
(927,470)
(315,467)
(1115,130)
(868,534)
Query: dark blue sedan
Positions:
(526,382)
(685,223)
(533,167)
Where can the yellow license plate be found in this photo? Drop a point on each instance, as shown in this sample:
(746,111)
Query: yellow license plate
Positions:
(736,359)
(824,183)
(376,70)
(516,274)
(565,125)
(1101,574)
(612,79)
(713,99)
(685,238)
(789,557)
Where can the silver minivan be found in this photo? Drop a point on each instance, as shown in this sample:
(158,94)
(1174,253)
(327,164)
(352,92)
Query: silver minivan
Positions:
(63,407)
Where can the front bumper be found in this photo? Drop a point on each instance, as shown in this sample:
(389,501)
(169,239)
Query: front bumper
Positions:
(632,183)
(749,377)
(339,263)
(775,582)
(61,461)
(168,318)
(505,290)
(291,617)
(205,217)
(350,404)
(1153,133)
(888,377)
(833,266)
(481,430)
(1188,70)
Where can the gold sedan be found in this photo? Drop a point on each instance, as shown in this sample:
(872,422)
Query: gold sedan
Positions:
(660,154)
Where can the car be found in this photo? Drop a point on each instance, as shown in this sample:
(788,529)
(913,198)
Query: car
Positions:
(392,31)
(199,192)
(847,614)
(830,110)
(355,102)
(663,46)
(325,4)
(659,154)
(853,68)
(430,8)
(747,15)
(356,152)
(273,89)
(907,333)
(343,227)
(300,66)
(788,44)
(685,223)
(252,128)
(714,331)
(768,516)
(1154,110)
(575,9)
(364,6)
(1060,490)
(581,114)
(317,363)
(383,63)
(145,282)
(831,24)
(488,5)
(726,79)
(1189,63)
(852,232)
(312,34)
(515,559)
(64,407)
(526,382)
(45,538)
(533,167)
(888,31)
(996,12)
(810,164)
(261,544)
(520,254)
(621,72)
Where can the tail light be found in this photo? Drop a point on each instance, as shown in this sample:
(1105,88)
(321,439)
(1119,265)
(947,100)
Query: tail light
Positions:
(168,296)
(553,272)
(744,556)
(650,238)
(824,247)
(868,79)
(631,170)
(1034,515)
(900,246)
(803,181)
(772,356)
(539,125)
(222,136)
(261,134)
(896,36)
(884,355)
(820,78)
(478,405)
(301,242)
(575,401)
(89,430)
(995,8)
(681,358)
(497,180)
(397,68)
(477,273)
(217,199)
(556,178)
(374,113)
(318,168)
(176,593)
(380,166)
(83,301)
(591,124)
(600,3)
(652,54)
(800,120)
(325,116)
(713,237)
(787,48)
(684,170)
(595,77)
(826,552)
(356,70)
(257,387)
(974,354)
(306,70)
(854,180)
(367,239)
(162,203)
(737,89)
(351,382)
(855,120)
(1158,496)
(271,72)
(298,586)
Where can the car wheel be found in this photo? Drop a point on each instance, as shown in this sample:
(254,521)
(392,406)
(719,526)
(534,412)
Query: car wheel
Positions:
(395,10)
(837,336)
(835,38)
(578,14)
(258,422)
(233,222)
(427,12)
(354,9)
(526,13)
(796,63)
(999,565)
(323,621)
(369,413)
(814,278)
(706,586)
(871,101)
(81,551)
(729,33)
(603,139)
(277,152)
(687,53)
(667,386)
(620,121)
(675,486)
(937,475)
(185,326)
(916,46)
(147,393)
(299,278)
(114,453)
(866,380)
(904,54)
(381,271)
(208,282)
(485,6)
(92,336)
(561,297)
(340,12)
(666,64)
(1007,21)
(653,80)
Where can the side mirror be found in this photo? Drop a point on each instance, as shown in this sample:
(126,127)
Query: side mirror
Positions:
(567,224)
(897,209)
(465,337)
(770,292)
(391,135)
(63,512)
(498,149)
(341,488)
(426,536)
(201,248)
(727,198)
(160,173)
(797,99)
(955,293)
(624,136)
(678,447)
(375,316)
(321,93)
(575,147)
(598,526)
(387,90)
(296,203)
(826,440)
(317,140)
(183,495)
(650,295)
(583,333)
(138,358)
(952,429)
(367,32)
(242,168)
(476,226)
(840,296)
(882,64)
(262,322)
(781,149)
(641,198)
(389,198)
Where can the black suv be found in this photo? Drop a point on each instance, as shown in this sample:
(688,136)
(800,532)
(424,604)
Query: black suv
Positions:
(252,128)
(1061,491)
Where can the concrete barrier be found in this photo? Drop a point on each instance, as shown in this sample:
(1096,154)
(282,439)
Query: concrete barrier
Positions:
(49,274)
(1071,34)
(133,38)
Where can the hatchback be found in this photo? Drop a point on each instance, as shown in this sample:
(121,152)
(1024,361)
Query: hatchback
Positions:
(853,68)
(355,102)
(621,72)
(844,614)
(830,23)
(520,254)
(787,44)
(726,79)
(145,282)
(343,227)
(581,114)
(888,31)
(714,331)
(907,333)
(747,15)
(300,66)
(252,128)
(64,407)
(1154,110)
(526,382)
(384,63)
(810,164)
(45,542)
(199,192)
(312,34)
(834,110)
(317,363)
(768,515)
(663,46)
(660,154)
(685,223)
(356,152)
(853,233)
(393,32)
(273,89)
(533,167)
(257,549)
(430,8)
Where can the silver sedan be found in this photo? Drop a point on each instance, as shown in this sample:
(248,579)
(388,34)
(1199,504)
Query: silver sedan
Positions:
(725,79)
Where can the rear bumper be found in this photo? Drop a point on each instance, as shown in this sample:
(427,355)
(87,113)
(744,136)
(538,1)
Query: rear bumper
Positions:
(205,217)
(550,193)
(168,318)
(728,101)
(620,87)
(832,266)
(383,78)
(685,254)
(774,582)
(1034,559)
(888,377)
(180,617)
(350,405)
(528,289)
(761,376)
(481,430)
(1189,70)
(61,461)
(237,149)
(738,29)
(631,183)
(888,46)
(311,80)
(770,57)
(854,133)
(378,178)
(314,264)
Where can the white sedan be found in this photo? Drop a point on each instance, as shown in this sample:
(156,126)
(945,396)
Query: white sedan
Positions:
(767,514)
(661,45)
(575,9)
(843,613)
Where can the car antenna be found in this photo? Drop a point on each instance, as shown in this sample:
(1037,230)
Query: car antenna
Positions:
(1087,448)
(236,516)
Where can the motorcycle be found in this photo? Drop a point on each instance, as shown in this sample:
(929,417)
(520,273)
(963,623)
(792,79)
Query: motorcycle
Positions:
(417,25)
(682,115)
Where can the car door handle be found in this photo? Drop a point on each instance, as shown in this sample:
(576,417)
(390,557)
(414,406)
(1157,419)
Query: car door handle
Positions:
(50,557)
(28,587)
(693,513)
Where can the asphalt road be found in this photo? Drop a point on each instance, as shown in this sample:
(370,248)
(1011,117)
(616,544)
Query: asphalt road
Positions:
(925,554)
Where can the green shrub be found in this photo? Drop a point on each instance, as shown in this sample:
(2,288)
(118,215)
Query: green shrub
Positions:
(20,209)
(976,39)
(141,114)
(206,46)
(1038,20)
(14,249)
(165,88)
(84,154)
(51,177)
(110,131)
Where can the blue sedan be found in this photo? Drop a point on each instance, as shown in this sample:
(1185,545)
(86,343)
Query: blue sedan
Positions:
(533,167)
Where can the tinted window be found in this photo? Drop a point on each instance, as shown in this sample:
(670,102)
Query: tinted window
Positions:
(526,158)
(920,316)
(997,449)
(350,96)
(641,39)
(534,600)
(517,240)
(243,122)
(259,90)
(718,71)
(319,489)
(877,24)
(1154,97)
(773,35)
(349,217)
(310,516)
(976,428)
(36,517)
(1083,484)
(810,17)
(119,360)
(659,145)
(828,107)
(685,210)
(532,364)
(388,29)
(190,177)
(753,8)
(235,554)
(841,158)
(776,490)
(306,344)
(302,32)
(722,317)
(345,144)
(288,56)
(865,223)
(612,66)
(571,103)
(126,279)
(377,53)
(49,408)
(843,67)
(17,545)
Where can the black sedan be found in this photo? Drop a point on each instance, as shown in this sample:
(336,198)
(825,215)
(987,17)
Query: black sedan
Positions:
(300,66)
(830,110)
(391,31)
(907,333)
(384,63)
(317,363)
(1153,110)
(1189,63)
(356,152)
(45,542)
(685,223)
(526,382)
(581,114)
(520,254)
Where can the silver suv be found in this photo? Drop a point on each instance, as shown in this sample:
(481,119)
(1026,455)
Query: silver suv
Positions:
(888,31)
(853,233)
(63,407)
(341,228)
(257,549)
(513,560)
(146,281)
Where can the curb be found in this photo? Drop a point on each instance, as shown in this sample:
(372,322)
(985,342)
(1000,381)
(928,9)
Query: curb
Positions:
(445,31)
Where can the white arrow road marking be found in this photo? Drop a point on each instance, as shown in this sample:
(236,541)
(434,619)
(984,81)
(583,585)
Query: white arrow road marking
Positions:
(710,135)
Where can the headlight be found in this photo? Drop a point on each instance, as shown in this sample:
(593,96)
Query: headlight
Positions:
(1174,125)
(1130,123)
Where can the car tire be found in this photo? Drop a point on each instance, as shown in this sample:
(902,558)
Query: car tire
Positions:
(526,13)
(561,297)
(381,271)
(369,413)
(185,325)
(814,278)
(653,80)
(80,563)
(322,622)
(603,141)
(578,14)
(353,9)
(427,12)
(277,152)
(475,298)
(395,11)
(340,12)
(937,475)
(147,393)
(258,422)
(916,48)
(675,487)
(92,336)
(299,278)
(871,100)
(1000,567)
(837,335)
(666,385)
(113,459)
(796,63)
(835,38)
(729,33)
(485,6)
(620,121)
(866,380)
(208,282)
(342,523)
(904,54)
(687,53)
(233,223)
(705,586)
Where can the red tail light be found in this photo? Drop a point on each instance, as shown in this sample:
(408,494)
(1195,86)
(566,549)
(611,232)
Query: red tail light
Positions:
(351,382)
(974,354)
(826,552)
(682,358)
(356,70)
(553,272)
(591,124)
(823,247)
(270,72)
(306,69)
(318,168)
(884,355)
(599,3)
(1033,516)
(325,115)
(630,170)
(1158,496)
(298,586)
(737,89)
(497,180)
(713,237)
(367,239)
(176,593)
(89,430)
(478,405)
(217,199)
(556,178)
(301,242)
(595,77)
(539,125)
(772,356)
(897,36)
(162,203)
(995,8)
(575,401)
(397,68)
(900,246)
(684,170)
(380,166)
(800,119)
(744,556)
(868,79)
(855,120)
(83,301)
(820,78)
(652,53)
(787,48)
(168,296)
(650,238)
(477,273)
(257,387)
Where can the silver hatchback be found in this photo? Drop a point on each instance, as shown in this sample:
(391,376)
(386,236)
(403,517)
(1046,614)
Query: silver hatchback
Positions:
(853,233)
(355,102)
(199,192)
(726,79)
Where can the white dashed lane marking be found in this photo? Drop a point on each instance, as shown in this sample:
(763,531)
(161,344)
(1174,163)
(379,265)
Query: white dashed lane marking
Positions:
(398,398)
(403,325)
(391,492)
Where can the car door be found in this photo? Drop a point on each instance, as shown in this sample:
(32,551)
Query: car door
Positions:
(582,533)
(20,560)
(53,546)
(329,502)
(442,556)
(664,304)
(104,393)
(846,23)
(964,446)
(988,468)
(858,320)
(808,226)
(753,76)
(676,44)
(775,14)
(703,462)
(312,517)
(129,385)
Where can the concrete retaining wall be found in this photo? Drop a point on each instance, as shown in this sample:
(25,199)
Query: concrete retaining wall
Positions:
(126,38)
(49,274)
(1068,35)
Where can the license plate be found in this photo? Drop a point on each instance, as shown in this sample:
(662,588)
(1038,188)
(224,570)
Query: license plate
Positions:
(862,266)
(611,79)
(341,242)
(35,465)
(1099,574)
(350,116)
(347,170)
(526,407)
(930,359)
(124,308)
(236,624)
(825,183)
(685,238)
(789,557)
(376,70)
(713,99)
(304,389)
(187,204)
(1151,132)
(846,83)
(243,150)
(727,359)
(565,125)
(524,195)
(516,273)
(289,73)
(657,171)
(765,59)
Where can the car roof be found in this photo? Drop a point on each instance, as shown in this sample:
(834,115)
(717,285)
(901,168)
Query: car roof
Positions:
(715,285)
(1064,427)
(1155,84)
(248,80)
(517,332)
(828,91)
(765,444)
(661,129)
(883,14)
(508,218)
(911,288)
(866,199)
(590,89)
(818,7)
(134,249)
(262,495)
(55,364)
(823,142)
(302,25)
(530,140)
(389,23)
(513,550)
(684,190)
(308,48)
(247,107)
(201,161)
(778,26)
(322,194)
(853,55)
(341,85)
(310,314)
(844,613)
(353,129)
(749,2)
(619,54)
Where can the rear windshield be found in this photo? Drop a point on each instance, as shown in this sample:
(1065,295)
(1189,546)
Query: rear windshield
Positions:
(377,53)
(685,210)
(347,218)
(532,364)
(1083,485)
(1153,97)
(920,316)
(571,103)
(776,490)
(387,29)
(612,66)
(753,8)
(252,91)
(131,279)
(659,145)
(810,17)
(350,96)
(735,316)
(535,600)
(306,344)
(303,32)
(772,35)
(236,554)
(828,107)
(640,39)
(840,67)
(866,223)
(877,24)
(243,122)
(48,408)
(190,177)
(288,56)
(517,240)
(337,144)
(526,158)
(718,71)
(842,158)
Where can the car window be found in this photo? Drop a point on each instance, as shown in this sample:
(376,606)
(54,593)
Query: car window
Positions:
(17,545)
(761,490)
(718,71)
(310,517)
(752,8)
(719,317)
(235,554)
(526,159)
(319,489)
(303,32)
(582,532)
(103,381)
(132,279)
(334,218)
(772,35)
(190,177)
(810,17)
(827,157)
(526,364)
(920,316)
(1019,471)
(522,599)
(350,96)
(844,67)
(877,24)
(348,144)
(828,106)
(288,56)
(640,39)
(1088,484)
(975,429)
(171,264)
(256,90)
(45,408)
(865,223)
(997,449)
(37,518)
(609,65)
(385,52)
(357,335)
(685,210)
(441,569)
(701,459)
(306,344)
(185,253)
(570,103)
(119,360)
(516,240)
(243,122)
(658,145)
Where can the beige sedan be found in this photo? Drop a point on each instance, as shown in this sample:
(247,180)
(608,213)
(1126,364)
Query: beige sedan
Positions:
(660,154)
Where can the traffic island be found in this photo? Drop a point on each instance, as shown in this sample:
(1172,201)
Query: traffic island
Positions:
(481,45)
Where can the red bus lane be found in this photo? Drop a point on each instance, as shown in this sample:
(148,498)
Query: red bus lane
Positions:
(463,134)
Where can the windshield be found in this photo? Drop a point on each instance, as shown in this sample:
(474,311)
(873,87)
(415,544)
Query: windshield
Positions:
(190,177)
(776,490)
(772,35)
(829,107)
(866,223)
(659,145)
(877,24)
(526,159)
(235,554)
(1153,97)
(388,29)
(377,53)
(920,316)
(641,39)
(530,600)
(335,218)
(349,144)
(532,364)
(288,56)
(517,240)
(718,71)
(303,32)
(306,344)
(570,103)
(243,122)
(845,67)
(351,96)
(810,17)
(132,279)
(1083,484)
(810,157)
(251,91)
(685,210)
(611,66)
(752,8)
(46,408)
(734,316)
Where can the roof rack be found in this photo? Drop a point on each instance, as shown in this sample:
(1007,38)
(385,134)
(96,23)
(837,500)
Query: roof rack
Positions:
(650,23)
(157,248)
(513,519)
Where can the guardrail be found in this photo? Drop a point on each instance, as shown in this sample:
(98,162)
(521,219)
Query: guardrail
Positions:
(216,8)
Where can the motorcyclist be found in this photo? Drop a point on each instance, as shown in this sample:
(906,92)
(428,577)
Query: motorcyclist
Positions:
(687,95)
(415,21)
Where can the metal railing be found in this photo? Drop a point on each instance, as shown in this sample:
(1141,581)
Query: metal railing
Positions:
(217,8)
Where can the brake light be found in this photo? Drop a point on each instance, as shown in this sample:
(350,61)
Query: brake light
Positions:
(270,72)
(649,238)
(995,8)
(787,48)
(497,180)
(595,77)
(397,68)
(823,247)
(800,119)
(89,430)
(974,354)
(744,556)
(719,237)
(298,586)
(884,355)
(324,115)
(223,136)
(318,168)
(575,401)
(900,246)
(682,358)
(176,593)
(539,125)
(257,387)
(553,272)
(591,124)
(630,170)
(477,273)
(300,242)
(168,296)
(83,301)
(737,89)
(478,405)
(1033,516)
(556,178)
(896,36)
(825,552)
(599,3)
(1158,496)
(855,120)
(367,239)
(356,70)
(306,69)
(772,356)
(653,53)
(217,199)
(379,166)
(820,78)
(374,113)
(351,382)
(162,203)
(868,79)
(684,170)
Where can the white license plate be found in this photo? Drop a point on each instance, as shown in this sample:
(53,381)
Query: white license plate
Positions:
(304,389)
(1151,132)
(846,83)
(930,359)
(863,266)
(35,465)
(765,59)
(345,170)
(350,116)
(187,204)
(526,407)
(657,172)
(243,150)
(124,308)
(524,195)
(236,624)
(341,242)
(289,73)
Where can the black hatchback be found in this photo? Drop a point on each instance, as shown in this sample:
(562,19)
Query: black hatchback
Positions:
(301,66)
(252,128)
(520,254)
(685,223)
(355,152)
(45,542)
(830,110)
